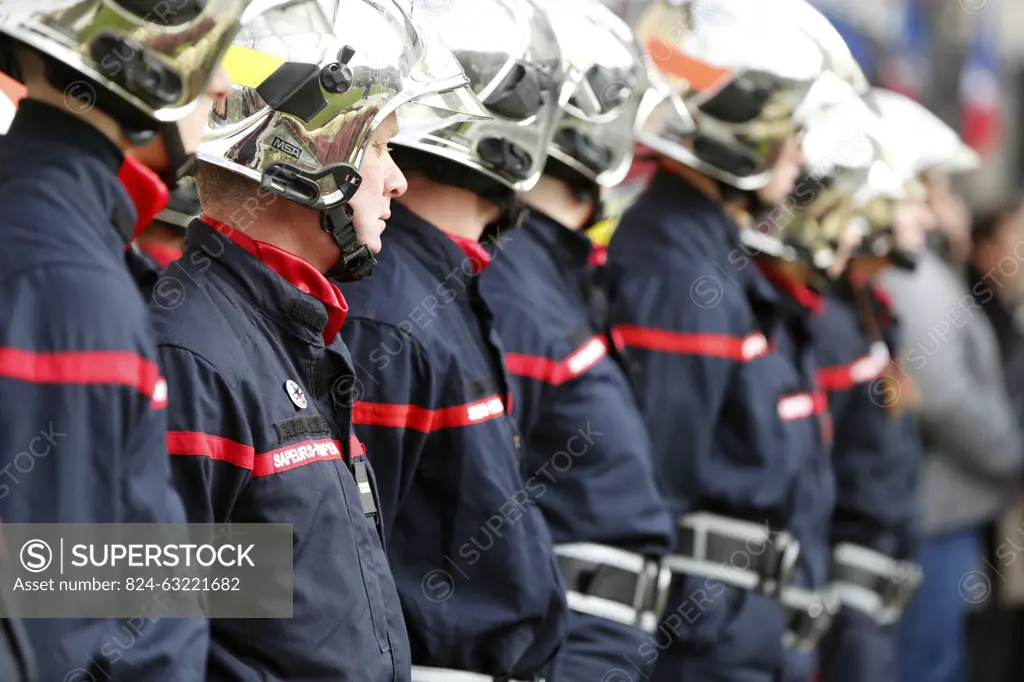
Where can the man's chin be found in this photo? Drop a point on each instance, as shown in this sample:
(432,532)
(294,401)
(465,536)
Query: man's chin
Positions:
(370,238)
(373,244)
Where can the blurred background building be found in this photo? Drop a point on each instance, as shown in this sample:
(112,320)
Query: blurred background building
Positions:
(964,59)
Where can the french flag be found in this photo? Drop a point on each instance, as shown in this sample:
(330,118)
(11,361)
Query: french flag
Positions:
(981,124)
(905,68)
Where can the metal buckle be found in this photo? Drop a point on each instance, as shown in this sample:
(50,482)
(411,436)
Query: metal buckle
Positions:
(649,582)
(776,553)
(651,596)
(782,551)
(900,585)
(810,620)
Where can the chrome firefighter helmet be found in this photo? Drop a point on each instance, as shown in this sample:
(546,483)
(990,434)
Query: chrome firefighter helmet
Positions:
(916,143)
(512,57)
(839,60)
(841,143)
(146,63)
(875,204)
(312,82)
(741,68)
(608,76)
(921,142)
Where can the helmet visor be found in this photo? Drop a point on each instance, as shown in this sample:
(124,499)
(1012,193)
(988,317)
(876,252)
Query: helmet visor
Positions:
(159,60)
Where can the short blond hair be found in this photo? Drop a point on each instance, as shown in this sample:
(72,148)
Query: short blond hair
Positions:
(220,187)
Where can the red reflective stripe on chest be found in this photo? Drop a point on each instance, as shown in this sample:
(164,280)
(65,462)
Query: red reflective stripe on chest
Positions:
(736,348)
(295,456)
(544,369)
(87,367)
(802,406)
(421,419)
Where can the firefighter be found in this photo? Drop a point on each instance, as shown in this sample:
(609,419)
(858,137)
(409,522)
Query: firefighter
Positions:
(247,322)
(969,442)
(876,454)
(584,441)
(791,241)
(472,556)
(724,380)
(843,145)
(76,349)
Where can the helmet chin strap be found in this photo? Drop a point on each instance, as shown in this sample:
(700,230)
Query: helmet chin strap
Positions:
(357,261)
(180,164)
(301,187)
(750,198)
(883,246)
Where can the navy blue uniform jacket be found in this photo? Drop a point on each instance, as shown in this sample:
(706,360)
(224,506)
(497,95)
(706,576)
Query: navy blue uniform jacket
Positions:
(83,424)
(260,432)
(586,448)
(877,452)
(472,556)
(17,660)
(726,390)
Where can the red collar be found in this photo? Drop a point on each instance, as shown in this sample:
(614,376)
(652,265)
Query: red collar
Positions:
(478,256)
(146,190)
(162,254)
(298,272)
(794,287)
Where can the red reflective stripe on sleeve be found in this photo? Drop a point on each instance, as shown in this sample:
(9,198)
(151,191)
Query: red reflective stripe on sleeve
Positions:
(802,406)
(214,447)
(861,371)
(573,365)
(87,367)
(835,378)
(295,456)
(421,419)
(716,345)
(532,367)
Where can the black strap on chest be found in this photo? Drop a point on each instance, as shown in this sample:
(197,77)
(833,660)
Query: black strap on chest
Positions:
(341,395)
(595,295)
(366,497)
